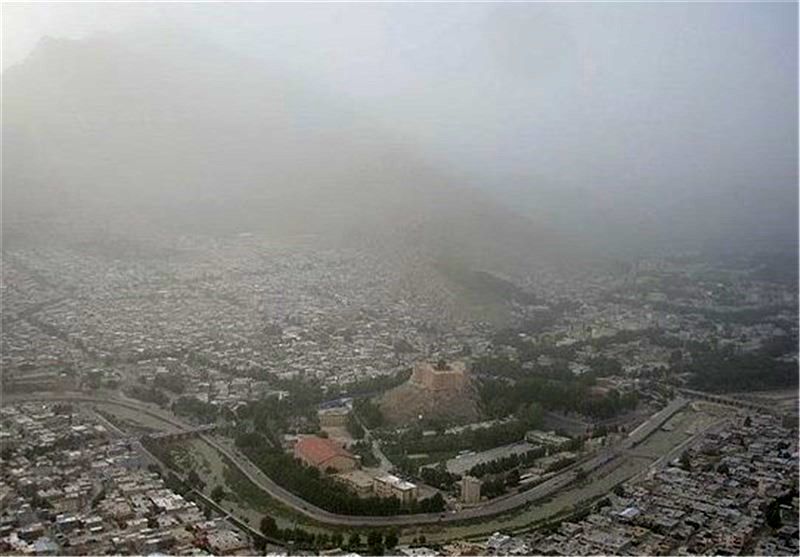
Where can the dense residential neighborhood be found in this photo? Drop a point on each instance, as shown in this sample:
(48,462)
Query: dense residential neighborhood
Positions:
(357,395)
(417,279)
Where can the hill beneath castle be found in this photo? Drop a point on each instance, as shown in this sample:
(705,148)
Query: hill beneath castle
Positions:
(445,394)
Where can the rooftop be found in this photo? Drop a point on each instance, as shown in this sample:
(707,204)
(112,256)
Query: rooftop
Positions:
(318,450)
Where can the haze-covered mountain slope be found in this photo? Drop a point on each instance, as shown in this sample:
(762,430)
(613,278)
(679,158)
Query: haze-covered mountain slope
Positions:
(167,134)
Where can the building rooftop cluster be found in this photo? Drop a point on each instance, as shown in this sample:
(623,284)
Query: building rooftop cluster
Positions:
(17,342)
(738,497)
(334,315)
(241,306)
(68,488)
(719,505)
(22,288)
(227,316)
(673,296)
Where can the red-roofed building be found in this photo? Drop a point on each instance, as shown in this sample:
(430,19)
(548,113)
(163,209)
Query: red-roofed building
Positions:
(323,454)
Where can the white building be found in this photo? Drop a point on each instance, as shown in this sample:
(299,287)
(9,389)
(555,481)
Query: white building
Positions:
(392,486)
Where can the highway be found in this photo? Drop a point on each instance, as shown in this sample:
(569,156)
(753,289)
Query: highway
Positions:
(235,520)
(491,508)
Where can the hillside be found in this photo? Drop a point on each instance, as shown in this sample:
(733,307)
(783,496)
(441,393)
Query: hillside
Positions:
(447,395)
(166,135)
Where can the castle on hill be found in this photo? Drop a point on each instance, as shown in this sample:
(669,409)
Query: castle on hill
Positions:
(436,390)
(441,376)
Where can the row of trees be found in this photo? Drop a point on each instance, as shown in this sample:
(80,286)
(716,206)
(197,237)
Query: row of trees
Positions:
(412,441)
(560,464)
(364,450)
(369,412)
(510,462)
(372,385)
(497,485)
(376,541)
(354,428)
(438,476)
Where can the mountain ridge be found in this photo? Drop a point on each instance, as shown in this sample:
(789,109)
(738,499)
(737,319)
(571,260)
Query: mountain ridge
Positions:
(155,138)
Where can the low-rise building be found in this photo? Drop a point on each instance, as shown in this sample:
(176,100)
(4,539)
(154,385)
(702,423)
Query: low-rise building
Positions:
(392,486)
(333,417)
(358,481)
(324,454)
(546,438)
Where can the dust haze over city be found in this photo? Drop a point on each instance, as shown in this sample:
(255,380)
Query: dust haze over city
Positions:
(399,279)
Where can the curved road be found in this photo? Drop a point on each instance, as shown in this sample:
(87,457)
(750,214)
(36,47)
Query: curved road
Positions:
(491,508)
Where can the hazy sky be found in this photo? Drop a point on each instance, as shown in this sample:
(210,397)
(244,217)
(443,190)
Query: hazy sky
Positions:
(639,98)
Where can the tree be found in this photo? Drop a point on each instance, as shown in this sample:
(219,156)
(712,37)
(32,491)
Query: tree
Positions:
(773,516)
(532,415)
(369,412)
(390,540)
(227,414)
(194,480)
(323,540)
(173,482)
(355,541)
(512,478)
(375,542)
(354,428)
(685,461)
(438,476)
(268,526)
(218,494)
(303,538)
(170,382)
(196,409)
(99,497)
(434,504)
(337,539)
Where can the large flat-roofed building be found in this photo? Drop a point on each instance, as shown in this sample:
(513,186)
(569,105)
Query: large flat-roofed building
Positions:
(324,454)
(333,417)
(392,486)
(441,376)
(547,438)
